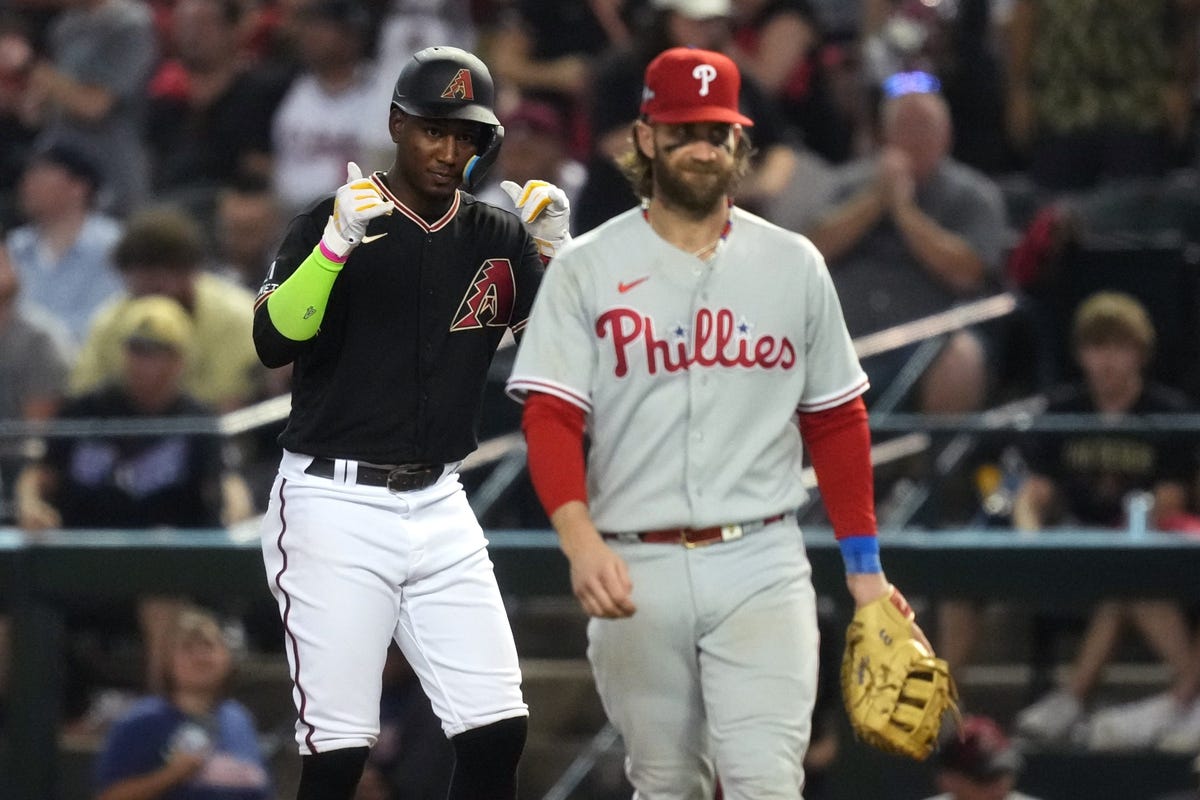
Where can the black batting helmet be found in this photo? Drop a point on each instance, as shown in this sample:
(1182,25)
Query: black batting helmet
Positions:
(449,83)
(446,83)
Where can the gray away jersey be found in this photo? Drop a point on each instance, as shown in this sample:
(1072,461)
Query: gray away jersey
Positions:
(691,371)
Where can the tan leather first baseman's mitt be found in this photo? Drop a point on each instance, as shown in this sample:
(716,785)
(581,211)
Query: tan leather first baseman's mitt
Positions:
(894,688)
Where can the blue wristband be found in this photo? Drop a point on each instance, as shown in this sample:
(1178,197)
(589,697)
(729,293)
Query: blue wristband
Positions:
(861,554)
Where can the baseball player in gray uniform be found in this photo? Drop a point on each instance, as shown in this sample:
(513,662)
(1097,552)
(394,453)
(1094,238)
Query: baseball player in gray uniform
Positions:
(698,345)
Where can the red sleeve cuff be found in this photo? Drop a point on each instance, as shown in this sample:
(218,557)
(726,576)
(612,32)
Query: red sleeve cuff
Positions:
(554,435)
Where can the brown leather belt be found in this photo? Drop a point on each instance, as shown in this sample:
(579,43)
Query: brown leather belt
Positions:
(696,537)
(400,478)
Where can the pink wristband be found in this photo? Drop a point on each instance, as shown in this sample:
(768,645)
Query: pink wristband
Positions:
(332,256)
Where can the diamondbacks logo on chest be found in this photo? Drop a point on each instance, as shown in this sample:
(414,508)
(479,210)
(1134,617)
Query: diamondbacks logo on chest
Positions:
(489,300)
(713,339)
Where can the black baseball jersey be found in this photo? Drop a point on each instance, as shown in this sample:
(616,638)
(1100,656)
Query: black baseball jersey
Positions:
(1095,470)
(396,373)
(135,481)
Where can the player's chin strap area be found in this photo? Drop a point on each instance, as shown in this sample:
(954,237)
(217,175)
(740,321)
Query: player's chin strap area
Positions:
(478,166)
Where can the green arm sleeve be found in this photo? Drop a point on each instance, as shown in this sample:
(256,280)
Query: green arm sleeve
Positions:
(297,307)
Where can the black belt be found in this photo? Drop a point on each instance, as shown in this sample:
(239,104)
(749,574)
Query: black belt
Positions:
(400,478)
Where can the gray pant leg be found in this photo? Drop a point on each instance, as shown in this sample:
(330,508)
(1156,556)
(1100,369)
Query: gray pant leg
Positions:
(759,662)
(648,679)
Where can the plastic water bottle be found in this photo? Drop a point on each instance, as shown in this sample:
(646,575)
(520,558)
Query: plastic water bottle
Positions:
(1138,505)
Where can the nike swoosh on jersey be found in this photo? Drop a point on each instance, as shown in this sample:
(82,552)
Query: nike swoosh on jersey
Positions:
(373,238)
(623,287)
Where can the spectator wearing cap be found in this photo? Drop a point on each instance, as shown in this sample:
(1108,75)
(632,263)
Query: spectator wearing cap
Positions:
(321,123)
(617,93)
(133,481)
(63,252)
(162,252)
(156,480)
(91,89)
(978,762)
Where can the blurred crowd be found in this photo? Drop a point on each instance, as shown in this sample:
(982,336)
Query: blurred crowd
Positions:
(152,153)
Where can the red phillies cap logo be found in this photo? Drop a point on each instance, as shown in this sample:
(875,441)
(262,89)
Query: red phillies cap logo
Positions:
(686,84)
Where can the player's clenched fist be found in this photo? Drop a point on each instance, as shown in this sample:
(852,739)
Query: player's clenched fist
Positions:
(358,201)
(600,579)
(544,211)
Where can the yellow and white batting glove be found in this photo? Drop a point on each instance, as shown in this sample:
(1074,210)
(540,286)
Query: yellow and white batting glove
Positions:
(544,211)
(357,202)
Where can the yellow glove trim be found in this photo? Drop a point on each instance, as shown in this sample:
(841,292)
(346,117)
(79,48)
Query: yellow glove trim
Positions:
(530,214)
(529,187)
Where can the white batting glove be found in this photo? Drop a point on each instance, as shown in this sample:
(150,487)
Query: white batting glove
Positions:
(544,211)
(357,202)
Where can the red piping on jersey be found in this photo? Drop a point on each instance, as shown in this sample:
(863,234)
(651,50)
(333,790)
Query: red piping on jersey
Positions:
(839,446)
(838,400)
(377,179)
(554,434)
(529,386)
(287,613)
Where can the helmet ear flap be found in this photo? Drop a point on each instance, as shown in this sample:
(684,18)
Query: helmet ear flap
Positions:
(479,164)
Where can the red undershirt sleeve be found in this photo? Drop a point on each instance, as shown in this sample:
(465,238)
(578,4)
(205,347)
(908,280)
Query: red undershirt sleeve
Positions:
(554,436)
(839,446)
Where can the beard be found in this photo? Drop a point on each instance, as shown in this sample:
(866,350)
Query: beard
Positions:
(697,191)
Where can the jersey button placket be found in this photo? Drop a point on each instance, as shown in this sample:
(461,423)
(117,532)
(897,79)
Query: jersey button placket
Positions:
(697,378)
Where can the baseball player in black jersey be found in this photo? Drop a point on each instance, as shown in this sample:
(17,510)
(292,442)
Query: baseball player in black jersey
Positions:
(390,299)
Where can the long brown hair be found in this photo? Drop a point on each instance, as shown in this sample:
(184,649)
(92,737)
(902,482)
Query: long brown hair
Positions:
(639,169)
